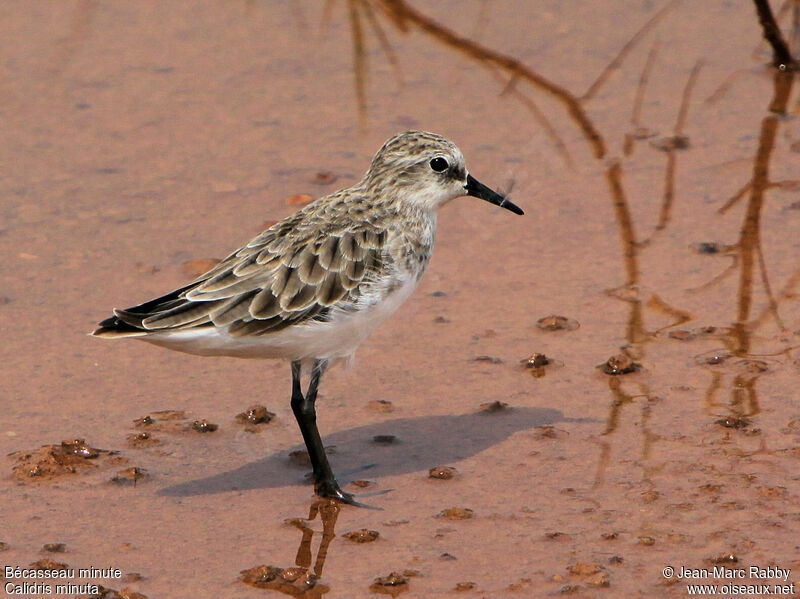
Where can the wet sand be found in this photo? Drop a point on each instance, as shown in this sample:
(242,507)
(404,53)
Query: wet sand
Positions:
(661,221)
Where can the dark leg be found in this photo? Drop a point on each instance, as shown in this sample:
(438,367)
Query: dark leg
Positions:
(325,484)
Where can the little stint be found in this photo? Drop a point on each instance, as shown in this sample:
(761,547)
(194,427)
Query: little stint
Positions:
(313,286)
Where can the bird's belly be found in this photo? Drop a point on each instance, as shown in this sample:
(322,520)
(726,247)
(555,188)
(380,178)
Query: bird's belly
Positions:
(335,339)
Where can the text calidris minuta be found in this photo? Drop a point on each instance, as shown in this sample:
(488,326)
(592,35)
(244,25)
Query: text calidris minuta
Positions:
(313,286)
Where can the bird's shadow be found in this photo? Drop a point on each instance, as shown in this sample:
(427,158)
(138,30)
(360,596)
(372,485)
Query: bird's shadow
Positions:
(420,443)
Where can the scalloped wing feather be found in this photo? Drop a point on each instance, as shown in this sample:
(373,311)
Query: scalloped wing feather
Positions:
(273,282)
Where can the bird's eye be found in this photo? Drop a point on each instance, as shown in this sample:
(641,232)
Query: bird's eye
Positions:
(439,164)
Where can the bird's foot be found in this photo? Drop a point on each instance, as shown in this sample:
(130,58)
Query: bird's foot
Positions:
(330,488)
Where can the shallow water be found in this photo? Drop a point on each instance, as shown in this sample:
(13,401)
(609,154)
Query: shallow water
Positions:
(655,155)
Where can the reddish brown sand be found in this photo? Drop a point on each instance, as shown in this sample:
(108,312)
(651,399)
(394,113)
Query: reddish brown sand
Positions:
(139,136)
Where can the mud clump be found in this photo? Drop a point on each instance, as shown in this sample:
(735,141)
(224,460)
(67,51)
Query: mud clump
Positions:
(291,581)
(535,363)
(129,476)
(384,439)
(584,569)
(557,323)
(547,431)
(593,575)
(493,407)
(143,439)
(681,335)
(48,564)
(456,513)
(535,360)
(362,535)
(324,178)
(255,414)
(167,421)
(734,422)
(489,359)
(380,405)
(447,557)
(57,460)
(712,358)
(619,364)
(393,584)
(754,366)
(299,457)
(671,143)
(204,426)
(362,484)
(442,472)
(650,496)
(726,558)
(772,492)
(107,593)
(646,541)
(709,247)
(569,589)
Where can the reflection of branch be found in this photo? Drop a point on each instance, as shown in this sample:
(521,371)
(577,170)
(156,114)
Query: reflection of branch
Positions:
(400,11)
(620,398)
(555,139)
(614,176)
(718,278)
(672,161)
(687,96)
(631,43)
(680,316)
(781,57)
(734,198)
(787,292)
(723,88)
(716,385)
(773,305)
(744,399)
(643,79)
(640,132)
(388,51)
(80,29)
(360,58)
(750,238)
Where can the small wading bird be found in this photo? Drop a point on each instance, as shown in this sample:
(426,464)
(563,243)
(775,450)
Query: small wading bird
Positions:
(313,286)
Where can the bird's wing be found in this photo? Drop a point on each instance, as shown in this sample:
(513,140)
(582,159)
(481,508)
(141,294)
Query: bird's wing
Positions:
(289,274)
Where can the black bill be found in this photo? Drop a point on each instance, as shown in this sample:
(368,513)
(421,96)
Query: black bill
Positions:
(478,190)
